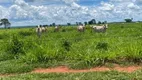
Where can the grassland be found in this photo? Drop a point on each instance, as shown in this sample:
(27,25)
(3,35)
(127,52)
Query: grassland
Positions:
(22,51)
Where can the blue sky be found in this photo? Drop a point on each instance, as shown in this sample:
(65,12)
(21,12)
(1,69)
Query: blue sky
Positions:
(81,2)
(34,12)
(91,2)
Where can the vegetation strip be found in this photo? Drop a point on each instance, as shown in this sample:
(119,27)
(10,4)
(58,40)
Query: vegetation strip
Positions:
(64,69)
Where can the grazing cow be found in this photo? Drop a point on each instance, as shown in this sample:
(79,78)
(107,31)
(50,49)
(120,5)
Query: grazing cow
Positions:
(81,28)
(38,31)
(56,29)
(44,29)
(100,28)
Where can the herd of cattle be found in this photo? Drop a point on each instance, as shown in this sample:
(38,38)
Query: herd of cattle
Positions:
(81,28)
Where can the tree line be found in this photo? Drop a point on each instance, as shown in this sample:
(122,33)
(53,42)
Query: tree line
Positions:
(5,22)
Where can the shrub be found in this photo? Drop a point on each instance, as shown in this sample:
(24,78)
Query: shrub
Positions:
(63,30)
(102,45)
(66,45)
(122,26)
(1,37)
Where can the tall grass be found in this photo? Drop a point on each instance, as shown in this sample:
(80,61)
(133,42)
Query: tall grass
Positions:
(121,42)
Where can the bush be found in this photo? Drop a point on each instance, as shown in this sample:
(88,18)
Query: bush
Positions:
(63,30)
(66,45)
(1,37)
(102,45)
(122,26)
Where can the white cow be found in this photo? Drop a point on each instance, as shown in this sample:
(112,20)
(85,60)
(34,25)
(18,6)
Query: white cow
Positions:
(100,28)
(56,29)
(81,28)
(43,29)
(39,30)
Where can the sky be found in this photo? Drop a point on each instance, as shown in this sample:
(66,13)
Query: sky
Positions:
(35,12)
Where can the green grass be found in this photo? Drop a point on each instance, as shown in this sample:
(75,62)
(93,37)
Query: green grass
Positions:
(111,75)
(13,66)
(121,44)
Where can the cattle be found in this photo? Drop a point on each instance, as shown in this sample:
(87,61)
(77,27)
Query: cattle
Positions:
(56,29)
(100,28)
(81,28)
(44,29)
(38,31)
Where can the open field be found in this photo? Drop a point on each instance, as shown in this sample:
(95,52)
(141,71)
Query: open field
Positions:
(22,51)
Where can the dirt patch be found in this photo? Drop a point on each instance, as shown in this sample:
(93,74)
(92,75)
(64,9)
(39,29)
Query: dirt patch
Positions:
(64,69)
(129,69)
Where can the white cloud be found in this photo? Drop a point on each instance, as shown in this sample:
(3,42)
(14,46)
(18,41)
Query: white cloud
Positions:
(3,12)
(106,6)
(48,14)
(133,6)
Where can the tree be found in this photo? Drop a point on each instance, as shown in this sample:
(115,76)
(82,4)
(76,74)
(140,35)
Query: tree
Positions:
(99,22)
(5,22)
(93,21)
(105,22)
(129,20)
(80,23)
(89,22)
(68,24)
(50,25)
(45,25)
(77,23)
(53,24)
(85,23)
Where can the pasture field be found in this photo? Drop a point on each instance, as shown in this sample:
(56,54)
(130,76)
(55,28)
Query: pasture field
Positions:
(21,50)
